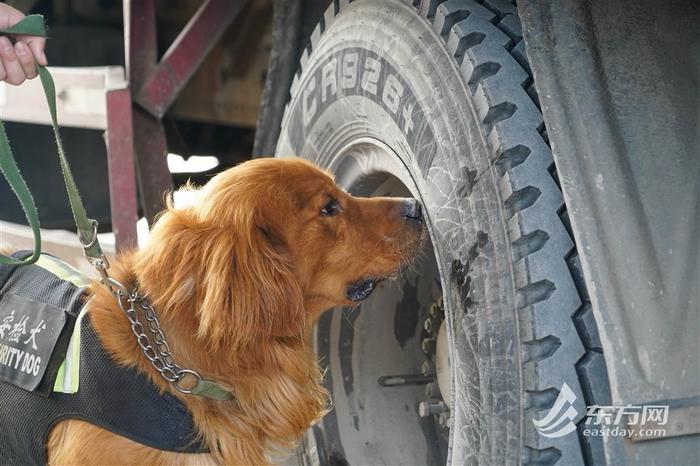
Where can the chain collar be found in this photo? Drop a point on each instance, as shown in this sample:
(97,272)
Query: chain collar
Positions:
(156,348)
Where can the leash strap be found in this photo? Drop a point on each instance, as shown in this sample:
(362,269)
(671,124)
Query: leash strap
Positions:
(33,25)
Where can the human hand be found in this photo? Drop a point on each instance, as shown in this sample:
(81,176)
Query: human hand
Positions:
(17,62)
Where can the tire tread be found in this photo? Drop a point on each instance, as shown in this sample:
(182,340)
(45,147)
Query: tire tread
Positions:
(486,42)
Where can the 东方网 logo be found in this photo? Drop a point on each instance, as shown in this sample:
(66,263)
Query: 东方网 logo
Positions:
(559,421)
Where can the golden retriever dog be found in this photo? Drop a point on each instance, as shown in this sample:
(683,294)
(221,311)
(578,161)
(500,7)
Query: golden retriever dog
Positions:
(238,281)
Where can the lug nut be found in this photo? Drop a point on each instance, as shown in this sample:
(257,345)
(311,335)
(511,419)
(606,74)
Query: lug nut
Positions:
(428,346)
(431,325)
(437,311)
(432,390)
(427,368)
(430,407)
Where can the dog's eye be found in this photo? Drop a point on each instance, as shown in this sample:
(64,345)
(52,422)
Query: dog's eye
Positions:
(331,209)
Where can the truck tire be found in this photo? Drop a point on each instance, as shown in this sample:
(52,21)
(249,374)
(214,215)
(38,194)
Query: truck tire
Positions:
(438,97)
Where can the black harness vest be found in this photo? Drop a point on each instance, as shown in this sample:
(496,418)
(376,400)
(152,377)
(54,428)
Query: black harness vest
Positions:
(116,398)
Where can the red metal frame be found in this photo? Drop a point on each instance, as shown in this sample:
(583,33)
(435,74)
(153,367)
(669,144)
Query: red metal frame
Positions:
(120,156)
(149,137)
(156,85)
(186,53)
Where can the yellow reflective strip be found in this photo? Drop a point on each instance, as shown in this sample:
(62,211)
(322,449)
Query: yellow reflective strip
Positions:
(63,271)
(46,263)
(60,375)
(68,378)
(68,375)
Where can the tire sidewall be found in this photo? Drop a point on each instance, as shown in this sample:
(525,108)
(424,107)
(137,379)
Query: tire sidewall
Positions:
(366,81)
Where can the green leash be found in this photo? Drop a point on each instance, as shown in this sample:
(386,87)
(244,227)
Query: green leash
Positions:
(33,25)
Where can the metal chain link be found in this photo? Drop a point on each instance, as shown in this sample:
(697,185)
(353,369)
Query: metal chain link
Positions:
(158,337)
(157,353)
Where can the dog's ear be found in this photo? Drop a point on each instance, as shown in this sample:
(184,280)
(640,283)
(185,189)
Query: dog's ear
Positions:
(236,282)
(249,287)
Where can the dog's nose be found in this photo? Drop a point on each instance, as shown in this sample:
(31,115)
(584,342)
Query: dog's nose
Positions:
(412,210)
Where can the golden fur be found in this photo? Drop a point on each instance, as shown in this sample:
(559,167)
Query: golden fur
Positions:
(238,281)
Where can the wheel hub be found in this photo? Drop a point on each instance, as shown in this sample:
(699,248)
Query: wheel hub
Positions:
(442,365)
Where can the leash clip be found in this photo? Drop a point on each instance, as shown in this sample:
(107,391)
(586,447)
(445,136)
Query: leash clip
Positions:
(93,240)
(101,264)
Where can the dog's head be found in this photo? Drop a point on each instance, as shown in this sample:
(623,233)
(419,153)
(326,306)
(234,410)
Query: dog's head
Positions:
(272,243)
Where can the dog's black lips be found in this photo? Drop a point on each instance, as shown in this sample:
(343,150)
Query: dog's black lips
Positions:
(361,290)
